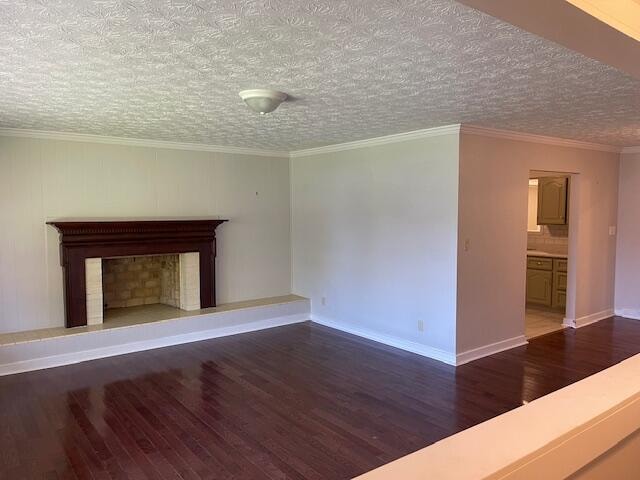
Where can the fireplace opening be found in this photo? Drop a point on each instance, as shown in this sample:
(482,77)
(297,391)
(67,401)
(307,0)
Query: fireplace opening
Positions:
(144,280)
(120,286)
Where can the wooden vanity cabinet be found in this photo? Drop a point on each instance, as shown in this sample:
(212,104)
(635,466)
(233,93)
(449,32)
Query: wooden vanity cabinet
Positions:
(539,286)
(547,281)
(559,299)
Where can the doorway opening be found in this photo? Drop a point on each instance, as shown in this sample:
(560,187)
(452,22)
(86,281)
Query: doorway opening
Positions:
(548,255)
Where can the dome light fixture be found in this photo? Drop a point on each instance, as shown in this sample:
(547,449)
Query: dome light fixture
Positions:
(263,100)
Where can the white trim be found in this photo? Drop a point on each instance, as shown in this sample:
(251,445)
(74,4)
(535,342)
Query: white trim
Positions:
(407,345)
(583,444)
(138,142)
(372,142)
(588,319)
(421,349)
(112,350)
(533,138)
(553,436)
(631,313)
(486,350)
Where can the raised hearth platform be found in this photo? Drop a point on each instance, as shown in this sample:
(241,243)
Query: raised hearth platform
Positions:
(143,328)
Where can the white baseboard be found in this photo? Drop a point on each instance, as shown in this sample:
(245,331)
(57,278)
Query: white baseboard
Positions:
(407,345)
(37,355)
(588,319)
(486,350)
(632,313)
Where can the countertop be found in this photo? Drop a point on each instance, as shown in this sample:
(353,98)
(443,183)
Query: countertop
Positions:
(540,253)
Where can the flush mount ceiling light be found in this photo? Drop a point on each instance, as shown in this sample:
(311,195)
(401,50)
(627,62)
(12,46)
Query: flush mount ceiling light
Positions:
(263,100)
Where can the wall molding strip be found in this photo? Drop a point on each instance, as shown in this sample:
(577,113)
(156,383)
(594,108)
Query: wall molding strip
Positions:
(588,319)
(138,142)
(370,142)
(384,140)
(533,138)
(407,345)
(421,349)
(630,313)
(497,347)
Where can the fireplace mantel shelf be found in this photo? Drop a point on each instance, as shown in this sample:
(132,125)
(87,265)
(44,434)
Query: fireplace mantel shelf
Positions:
(98,238)
(73,231)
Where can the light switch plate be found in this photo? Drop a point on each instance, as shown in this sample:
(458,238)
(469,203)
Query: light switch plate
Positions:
(612,231)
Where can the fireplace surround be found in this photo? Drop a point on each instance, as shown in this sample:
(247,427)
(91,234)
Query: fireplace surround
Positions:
(94,240)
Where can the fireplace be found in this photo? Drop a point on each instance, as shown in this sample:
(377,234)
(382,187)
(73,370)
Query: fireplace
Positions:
(118,264)
(132,281)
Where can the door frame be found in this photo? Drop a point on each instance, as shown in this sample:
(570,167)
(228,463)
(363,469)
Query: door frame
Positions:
(573,215)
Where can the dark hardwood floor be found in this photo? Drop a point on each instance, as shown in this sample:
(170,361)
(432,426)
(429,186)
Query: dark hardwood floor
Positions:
(302,401)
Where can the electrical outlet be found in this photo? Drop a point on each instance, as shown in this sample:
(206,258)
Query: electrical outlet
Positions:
(323,301)
(420,326)
(612,231)
(467,245)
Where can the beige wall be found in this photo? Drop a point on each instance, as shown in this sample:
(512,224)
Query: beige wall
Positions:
(493,198)
(620,462)
(374,233)
(46,179)
(628,253)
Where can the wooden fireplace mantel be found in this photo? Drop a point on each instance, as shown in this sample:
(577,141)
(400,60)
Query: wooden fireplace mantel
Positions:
(82,239)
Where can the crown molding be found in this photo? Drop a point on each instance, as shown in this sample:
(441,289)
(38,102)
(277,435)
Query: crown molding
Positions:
(138,142)
(533,138)
(372,142)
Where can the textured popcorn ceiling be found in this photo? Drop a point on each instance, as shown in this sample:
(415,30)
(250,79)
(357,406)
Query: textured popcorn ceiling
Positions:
(171,70)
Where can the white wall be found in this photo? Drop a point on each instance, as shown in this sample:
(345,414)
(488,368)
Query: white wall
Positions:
(45,179)
(374,231)
(494,175)
(628,253)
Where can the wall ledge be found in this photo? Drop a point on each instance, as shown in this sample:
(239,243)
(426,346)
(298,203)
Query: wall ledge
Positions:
(565,431)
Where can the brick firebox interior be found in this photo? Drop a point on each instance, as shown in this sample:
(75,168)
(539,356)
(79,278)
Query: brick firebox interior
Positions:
(133,281)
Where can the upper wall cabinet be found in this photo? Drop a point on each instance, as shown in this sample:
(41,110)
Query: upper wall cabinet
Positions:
(552,201)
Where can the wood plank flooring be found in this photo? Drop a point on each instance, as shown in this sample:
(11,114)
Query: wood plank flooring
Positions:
(298,402)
